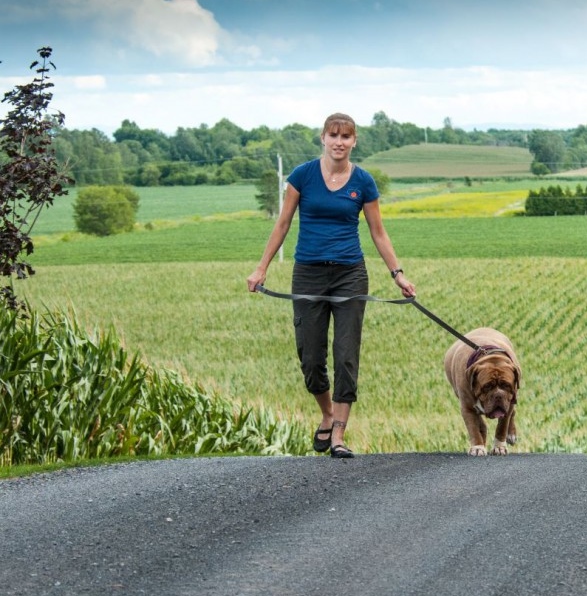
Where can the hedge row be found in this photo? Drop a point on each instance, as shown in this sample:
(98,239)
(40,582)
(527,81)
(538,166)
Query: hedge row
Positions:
(554,200)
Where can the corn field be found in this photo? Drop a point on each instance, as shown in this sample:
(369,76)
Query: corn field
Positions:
(67,395)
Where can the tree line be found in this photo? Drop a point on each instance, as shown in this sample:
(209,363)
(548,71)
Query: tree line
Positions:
(225,153)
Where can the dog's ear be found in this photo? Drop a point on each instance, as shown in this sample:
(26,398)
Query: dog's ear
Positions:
(517,377)
(471,375)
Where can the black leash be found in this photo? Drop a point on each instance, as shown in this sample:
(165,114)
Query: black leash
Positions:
(312,298)
(367,298)
(444,325)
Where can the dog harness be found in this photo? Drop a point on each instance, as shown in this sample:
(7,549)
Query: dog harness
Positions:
(485,351)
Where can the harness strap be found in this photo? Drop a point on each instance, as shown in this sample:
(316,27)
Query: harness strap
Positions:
(485,351)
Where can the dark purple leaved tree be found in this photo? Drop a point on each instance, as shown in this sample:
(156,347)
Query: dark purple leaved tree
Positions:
(30,176)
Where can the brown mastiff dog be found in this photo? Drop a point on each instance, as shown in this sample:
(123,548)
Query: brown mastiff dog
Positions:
(486,382)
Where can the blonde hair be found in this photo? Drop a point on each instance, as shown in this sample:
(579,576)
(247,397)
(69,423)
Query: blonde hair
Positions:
(340,123)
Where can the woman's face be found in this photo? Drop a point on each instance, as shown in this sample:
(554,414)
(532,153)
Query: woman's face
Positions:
(338,142)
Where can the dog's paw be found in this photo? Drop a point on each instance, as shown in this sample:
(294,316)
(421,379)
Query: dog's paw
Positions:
(511,439)
(499,448)
(478,450)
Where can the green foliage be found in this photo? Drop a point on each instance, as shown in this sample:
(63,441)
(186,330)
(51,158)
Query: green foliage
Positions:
(67,395)
(225,152)
(553,200)
(577,153)
(246,168)
(91,157)
(225,175)
(382,180)
(105,210)
(296,144)
(539,169)
(174,174)
(268,195)
(144,157)
(148,138)
(30,177)
(149,175)
(548,148)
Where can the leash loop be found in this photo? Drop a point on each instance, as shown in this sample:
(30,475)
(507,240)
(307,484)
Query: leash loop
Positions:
(367,298)
(312,298)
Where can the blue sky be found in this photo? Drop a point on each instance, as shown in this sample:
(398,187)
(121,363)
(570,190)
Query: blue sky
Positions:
(181,63)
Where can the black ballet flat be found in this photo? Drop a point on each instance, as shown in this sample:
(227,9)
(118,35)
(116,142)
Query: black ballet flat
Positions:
(322,445)
(341,452)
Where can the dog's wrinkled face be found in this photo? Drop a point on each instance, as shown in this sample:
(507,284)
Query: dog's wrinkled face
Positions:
(494,388)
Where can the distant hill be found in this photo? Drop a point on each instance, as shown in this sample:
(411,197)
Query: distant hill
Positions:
(451,161)
(581,173)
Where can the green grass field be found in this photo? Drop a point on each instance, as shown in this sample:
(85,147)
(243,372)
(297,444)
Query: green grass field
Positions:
(243,239)
(161,204)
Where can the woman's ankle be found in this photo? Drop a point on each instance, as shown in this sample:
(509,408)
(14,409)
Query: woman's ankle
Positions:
(338,429)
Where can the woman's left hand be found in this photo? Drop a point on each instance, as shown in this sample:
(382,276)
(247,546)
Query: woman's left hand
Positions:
(406,286)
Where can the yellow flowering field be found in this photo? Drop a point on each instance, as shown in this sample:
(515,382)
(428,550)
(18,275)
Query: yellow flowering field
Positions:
(459,204)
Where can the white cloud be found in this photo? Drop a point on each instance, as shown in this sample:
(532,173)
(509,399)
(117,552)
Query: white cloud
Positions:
(90,82)
(178,29)
(153,80)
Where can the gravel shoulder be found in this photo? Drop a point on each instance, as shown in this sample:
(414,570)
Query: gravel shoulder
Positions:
(389,524)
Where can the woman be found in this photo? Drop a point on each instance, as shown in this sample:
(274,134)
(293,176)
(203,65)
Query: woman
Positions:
(330,193)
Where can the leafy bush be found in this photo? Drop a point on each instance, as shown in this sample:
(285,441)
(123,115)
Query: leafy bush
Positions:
(539,169)
(105,210)
(268,195)
(381,179)
(67,395)
(224,175)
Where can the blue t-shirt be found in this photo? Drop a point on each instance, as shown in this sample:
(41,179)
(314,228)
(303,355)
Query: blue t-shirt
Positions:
(329,219)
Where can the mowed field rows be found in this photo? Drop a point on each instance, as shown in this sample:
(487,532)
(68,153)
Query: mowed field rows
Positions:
(452,161)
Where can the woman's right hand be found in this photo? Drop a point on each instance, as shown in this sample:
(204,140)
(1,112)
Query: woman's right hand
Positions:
(256,278)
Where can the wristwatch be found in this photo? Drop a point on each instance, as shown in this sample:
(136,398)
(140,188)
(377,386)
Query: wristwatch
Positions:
(396,272)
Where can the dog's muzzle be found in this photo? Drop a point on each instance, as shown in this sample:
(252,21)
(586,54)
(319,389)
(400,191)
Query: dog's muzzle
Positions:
(497,413)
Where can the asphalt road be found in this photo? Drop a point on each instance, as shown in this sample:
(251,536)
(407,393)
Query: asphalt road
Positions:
(429,524)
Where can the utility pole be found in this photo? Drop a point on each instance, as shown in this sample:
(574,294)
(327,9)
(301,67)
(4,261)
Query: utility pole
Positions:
(280,190)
